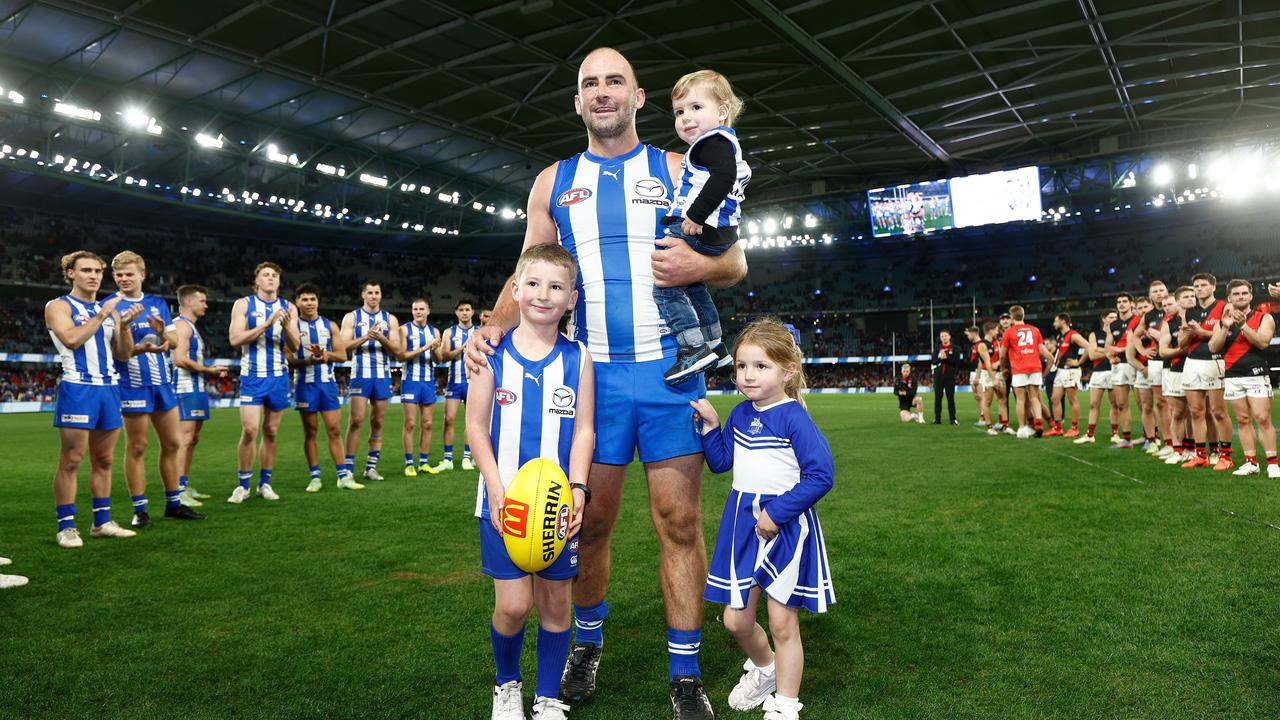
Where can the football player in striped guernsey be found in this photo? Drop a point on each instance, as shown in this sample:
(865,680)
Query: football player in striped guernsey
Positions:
(315,391)
(88,339)
(452,343)
(369,332)
(147,394)
(417,344)
(534,398)
(193,392)
(265,328)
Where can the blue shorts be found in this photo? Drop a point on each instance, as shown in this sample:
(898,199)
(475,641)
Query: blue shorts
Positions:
(496,563)
(271,393)
(456,391)
(417,391)
(88,407)
(370,388)
(194,406)
(636,410)
(146,400)
(316,397)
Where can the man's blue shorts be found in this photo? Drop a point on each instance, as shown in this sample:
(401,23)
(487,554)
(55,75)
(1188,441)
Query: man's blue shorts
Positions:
(270,392)
(636,410)
(316,397)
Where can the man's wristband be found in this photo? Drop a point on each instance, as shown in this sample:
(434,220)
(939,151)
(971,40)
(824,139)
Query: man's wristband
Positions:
(586,491)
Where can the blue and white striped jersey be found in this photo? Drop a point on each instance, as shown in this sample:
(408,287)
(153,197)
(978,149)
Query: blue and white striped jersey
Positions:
(419,369)
(458,336)
(694,177)
(91,363)
(187,381)
(535,403)
(314,332)
(145,369)
(369,359)
(264,357)
(608,213)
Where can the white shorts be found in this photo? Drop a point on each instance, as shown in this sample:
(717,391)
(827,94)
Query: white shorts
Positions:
(1123,374)
(973,381)
(1202,375)
(988,379)
(1155,373)
(1141,381)
(1025,379)
(1235,388)
(1067,378)
(1100,380)
(1171,383)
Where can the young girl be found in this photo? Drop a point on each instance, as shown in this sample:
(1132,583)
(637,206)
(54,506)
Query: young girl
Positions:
(769,538)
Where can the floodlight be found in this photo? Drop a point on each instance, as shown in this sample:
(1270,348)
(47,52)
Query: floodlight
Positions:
(373,180)
(75,111)
(208,141)
(1162,175)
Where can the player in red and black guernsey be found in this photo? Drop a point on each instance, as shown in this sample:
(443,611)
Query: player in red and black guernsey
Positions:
(1153,320)
(1137,353)
(974,336)
(1123,374)
(1072,351)
(1099,375)
(1020,348)
(910,407)
(1242,337)
(993,381)
(1174,356)
(1202,377)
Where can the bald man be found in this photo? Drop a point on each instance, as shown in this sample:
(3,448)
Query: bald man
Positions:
(605,207)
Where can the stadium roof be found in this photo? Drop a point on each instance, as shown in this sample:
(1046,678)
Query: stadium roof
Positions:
(477,97)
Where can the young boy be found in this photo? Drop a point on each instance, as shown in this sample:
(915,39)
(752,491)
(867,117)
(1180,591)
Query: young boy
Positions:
(707,207)
(536,398)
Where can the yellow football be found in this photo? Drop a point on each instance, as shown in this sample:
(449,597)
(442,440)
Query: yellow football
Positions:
(535,515)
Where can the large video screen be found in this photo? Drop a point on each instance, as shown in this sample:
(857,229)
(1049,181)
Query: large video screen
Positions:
(997,197)
(910,209)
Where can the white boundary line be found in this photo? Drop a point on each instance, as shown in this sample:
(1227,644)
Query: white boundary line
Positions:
(1094,465)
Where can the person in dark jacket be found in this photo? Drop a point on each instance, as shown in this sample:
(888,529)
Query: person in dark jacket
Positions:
(950,363)
(910,407)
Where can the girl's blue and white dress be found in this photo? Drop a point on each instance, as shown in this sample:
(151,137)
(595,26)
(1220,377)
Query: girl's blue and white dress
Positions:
(781,462)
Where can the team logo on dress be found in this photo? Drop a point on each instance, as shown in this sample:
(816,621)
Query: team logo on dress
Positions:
(515,518)
(75,418)
(755,427)
(503,396)
(562,400)
(573,196)
(82,318)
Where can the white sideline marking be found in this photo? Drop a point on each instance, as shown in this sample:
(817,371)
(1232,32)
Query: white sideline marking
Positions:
(1100,467)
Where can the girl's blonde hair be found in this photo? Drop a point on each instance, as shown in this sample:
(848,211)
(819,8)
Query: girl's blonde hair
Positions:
(777,343)
(719,87)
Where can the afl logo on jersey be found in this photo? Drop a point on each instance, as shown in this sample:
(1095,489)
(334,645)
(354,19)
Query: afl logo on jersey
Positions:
(504,396)
(573,196)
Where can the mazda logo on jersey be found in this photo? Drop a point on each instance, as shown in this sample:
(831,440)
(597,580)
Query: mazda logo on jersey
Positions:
(562,400)
(573,196)
(650,187)
(504,396)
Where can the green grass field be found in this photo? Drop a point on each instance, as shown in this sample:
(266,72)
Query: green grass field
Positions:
(977,577)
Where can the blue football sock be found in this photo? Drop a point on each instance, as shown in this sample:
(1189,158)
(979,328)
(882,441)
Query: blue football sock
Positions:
(244,476)
(350,460)
(466,451)
(506,655)
(264,477)
(424,458)
(315,471)
(448,453)
(66,516)
(682,652)
(408,459)
(372,461)
(182,483)
(101,511)
(171,499)
(553,648)
(588,623)
(139,503)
